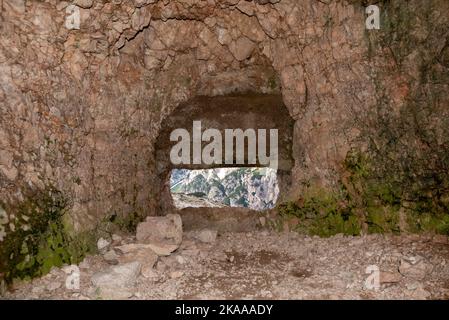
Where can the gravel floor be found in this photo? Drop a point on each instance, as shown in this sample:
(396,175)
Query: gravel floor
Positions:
(265,265)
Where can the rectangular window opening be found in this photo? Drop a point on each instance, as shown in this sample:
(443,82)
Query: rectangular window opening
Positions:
(249,187)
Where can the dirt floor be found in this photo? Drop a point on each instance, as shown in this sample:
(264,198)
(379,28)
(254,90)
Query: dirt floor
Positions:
(267,265)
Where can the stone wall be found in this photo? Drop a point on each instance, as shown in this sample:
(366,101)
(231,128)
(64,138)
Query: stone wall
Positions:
(81,109)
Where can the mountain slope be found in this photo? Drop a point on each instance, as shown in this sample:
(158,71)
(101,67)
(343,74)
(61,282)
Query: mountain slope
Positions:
(254,188)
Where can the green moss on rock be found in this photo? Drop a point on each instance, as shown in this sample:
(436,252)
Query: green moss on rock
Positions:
(40,239)
(322,213)
(370,199)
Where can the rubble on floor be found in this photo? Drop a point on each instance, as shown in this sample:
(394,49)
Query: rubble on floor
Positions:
(251,265)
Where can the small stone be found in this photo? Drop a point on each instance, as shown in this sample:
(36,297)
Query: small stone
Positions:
(415,268)
(71,269)
(412,286)
(440,239)
(111,257)
(246,7)
(116,238)
(54,271)
(110,293)
(119,276)
(17,5)
(150,273)
(131,247)
(85,4)
(161,266)
(146,257)
(102,244)
(161,230)
(390,277)
(180,259)
(163,249)
(242,48)
(419,293)
(37,289)
(84,264)
(53,286)
(221,256)
(207,235)
(191,252)
(176,274)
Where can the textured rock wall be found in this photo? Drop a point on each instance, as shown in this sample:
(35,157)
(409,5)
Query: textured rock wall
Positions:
(81,109)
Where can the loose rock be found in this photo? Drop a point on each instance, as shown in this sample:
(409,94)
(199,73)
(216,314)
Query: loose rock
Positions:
(103,244)
(120,276)
(415,268)
(207,235)
(161,230)
(390,277)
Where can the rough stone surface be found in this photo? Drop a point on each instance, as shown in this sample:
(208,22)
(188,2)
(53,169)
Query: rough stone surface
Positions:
(163,249)
(120,276)
(390,277)
(86,105)
(207,235)
(131,247)
(110,256)
(415,268)
(146,257)
(103,244)
(161,231)
(109,293)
